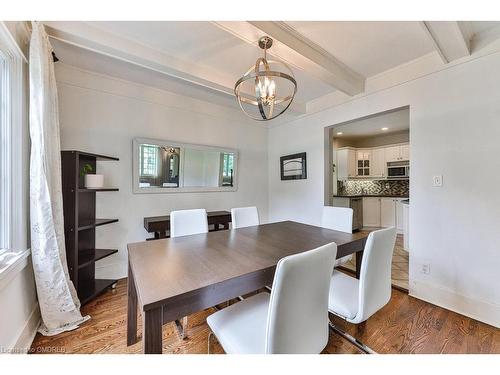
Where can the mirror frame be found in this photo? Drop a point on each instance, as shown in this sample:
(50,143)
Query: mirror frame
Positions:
(195,189)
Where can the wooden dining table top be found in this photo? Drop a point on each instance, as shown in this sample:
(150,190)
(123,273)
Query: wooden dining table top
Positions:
(169,268)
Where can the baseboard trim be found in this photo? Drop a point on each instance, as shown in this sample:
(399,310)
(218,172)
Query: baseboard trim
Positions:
(28,333)
(482,311)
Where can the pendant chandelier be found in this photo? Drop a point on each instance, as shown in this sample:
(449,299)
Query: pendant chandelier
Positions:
(265,92)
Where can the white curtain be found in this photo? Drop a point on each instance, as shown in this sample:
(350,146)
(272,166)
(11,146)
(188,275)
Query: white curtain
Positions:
(59,304)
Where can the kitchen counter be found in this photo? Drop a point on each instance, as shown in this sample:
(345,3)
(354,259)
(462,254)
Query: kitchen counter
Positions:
(371,195)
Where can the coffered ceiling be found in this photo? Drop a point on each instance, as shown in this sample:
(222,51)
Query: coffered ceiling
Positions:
(332,60)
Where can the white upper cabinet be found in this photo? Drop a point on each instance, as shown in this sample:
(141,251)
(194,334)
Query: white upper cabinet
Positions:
(369,162)
(405,152)
(392,153)
(397,153)
(363,161)
(378,163)
(346,163)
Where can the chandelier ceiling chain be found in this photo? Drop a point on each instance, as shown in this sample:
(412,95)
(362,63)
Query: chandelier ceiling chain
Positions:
(267,83)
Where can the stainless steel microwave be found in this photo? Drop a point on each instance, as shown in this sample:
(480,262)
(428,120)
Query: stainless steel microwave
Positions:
(398,170)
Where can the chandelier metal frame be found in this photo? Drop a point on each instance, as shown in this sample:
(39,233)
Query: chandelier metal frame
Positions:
(256,73)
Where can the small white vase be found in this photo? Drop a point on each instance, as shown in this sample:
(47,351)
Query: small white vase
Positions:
(94,181)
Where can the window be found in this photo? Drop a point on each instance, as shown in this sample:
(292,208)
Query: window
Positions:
(148,160)
(14,149)
(4,154)
(227,169)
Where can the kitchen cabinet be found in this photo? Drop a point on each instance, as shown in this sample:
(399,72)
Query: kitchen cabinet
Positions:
(405,152)
(387,212)
(369,163)
(400,220)
(397,153)
(406,226)
(363,158)
(383,212)
(378,163)
(371,212)
(346,163)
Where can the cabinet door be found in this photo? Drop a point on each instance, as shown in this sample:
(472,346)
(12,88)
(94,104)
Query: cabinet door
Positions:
(387,212)
(400,222)
(363,163)
(406,231)
(392,153)
(342,164)
(378,165)
(371,212)
(405,152)
(351,163)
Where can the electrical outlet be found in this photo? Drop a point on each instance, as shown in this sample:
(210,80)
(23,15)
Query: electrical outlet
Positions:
(426,268)
(437,181)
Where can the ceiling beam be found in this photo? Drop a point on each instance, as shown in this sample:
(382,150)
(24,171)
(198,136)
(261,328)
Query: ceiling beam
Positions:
(451,39)
(300,52)
(91,38)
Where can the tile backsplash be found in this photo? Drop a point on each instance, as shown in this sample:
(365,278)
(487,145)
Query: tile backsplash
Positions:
(374,187)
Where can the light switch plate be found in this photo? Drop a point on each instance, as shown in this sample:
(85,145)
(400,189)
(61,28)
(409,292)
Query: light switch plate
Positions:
(437,181)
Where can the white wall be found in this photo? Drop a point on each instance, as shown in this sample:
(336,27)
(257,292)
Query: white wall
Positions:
(454,131)
(19,312)
(102,114)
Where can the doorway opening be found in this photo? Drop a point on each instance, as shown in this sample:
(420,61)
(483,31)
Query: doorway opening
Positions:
(368,169)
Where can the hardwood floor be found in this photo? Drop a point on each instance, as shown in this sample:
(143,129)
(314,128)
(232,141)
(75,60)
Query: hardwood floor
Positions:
(405,325)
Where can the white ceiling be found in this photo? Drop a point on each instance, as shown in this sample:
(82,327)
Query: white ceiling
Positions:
(207,45)
(395,121)
(369,48)
(204,59)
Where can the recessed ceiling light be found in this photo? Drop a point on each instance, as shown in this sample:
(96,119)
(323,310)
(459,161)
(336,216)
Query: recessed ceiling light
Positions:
(384,129)
(339,133)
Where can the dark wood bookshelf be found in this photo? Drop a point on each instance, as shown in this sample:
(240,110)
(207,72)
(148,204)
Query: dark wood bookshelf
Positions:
(85,190)
(80,224)
(88,257)
(84,225)
(93,289)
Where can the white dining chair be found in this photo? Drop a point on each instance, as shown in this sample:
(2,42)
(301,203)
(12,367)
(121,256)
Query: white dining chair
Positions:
(293,318)
(244,217)
(357,300)
(186,223)
(340,219)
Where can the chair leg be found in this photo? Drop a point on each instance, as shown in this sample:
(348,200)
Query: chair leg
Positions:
(358,344)
(210,335)
(182,327)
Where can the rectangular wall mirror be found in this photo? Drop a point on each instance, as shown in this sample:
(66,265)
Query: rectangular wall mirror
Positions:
(170,167)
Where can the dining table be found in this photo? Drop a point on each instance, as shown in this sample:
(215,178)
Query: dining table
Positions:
(171,278)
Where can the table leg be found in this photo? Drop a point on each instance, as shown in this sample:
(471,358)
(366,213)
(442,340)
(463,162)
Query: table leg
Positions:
(359,258)
(152,335)
(131,309)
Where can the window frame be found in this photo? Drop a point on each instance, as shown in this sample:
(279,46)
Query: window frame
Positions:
(142,161)
(14,150)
